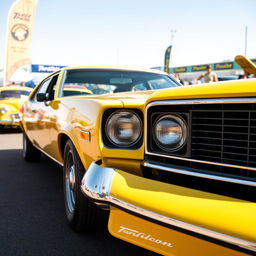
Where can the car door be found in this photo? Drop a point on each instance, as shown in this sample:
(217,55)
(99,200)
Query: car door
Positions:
(38,114)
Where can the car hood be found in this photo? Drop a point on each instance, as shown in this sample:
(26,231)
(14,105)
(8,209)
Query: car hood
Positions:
(13,103)
(127,98)
(239,88)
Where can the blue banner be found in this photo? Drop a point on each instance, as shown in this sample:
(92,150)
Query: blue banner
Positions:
(45,68)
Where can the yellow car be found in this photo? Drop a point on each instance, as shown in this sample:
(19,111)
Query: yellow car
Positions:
(11,100)
(174,167)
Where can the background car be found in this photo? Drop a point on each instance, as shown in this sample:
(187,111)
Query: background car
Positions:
(11,100)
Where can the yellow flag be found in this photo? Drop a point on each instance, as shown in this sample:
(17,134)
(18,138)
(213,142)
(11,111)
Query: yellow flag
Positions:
(19,35)
(167,59)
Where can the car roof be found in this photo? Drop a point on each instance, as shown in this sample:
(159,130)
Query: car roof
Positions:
(112,68)
(13,88)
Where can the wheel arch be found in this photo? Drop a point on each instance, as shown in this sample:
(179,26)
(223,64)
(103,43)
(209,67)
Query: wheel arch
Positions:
(62,140)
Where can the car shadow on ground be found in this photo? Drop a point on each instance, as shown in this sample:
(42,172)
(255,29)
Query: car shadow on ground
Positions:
(32,217)
(10,130)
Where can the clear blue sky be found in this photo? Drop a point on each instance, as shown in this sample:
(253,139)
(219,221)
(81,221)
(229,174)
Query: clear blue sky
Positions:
(137,32)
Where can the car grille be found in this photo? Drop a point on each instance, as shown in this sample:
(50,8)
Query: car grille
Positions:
(224,136)
(222,139)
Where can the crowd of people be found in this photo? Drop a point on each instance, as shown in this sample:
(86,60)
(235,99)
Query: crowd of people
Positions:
(22,84)
(208,77)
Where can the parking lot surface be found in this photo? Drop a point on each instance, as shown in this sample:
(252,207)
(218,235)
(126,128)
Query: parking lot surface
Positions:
(32,218)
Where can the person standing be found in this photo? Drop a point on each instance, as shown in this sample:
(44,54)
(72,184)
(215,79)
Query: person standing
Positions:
(178,79)
(209,76)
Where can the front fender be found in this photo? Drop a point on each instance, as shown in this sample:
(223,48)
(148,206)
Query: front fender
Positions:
(164,217)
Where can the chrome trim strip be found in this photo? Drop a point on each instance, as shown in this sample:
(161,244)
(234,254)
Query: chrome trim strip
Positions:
(202,161)
(201,175)
(202,101)
(6,121)
(48,155)
(196,102)
(96,184)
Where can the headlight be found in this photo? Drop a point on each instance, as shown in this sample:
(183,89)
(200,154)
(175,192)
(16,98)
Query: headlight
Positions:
(3,110)
(123,128)
(170,132)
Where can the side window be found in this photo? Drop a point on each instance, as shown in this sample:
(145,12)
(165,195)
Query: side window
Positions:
(48,86)
(44,86)
(42,89)
(52,87)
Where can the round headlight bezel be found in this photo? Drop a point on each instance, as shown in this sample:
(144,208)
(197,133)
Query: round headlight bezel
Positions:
(4,110)
(113,118)
(183,125)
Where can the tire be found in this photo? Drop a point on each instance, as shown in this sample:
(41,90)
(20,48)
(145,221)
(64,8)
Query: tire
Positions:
(1,128)
(30,153)
(82,214)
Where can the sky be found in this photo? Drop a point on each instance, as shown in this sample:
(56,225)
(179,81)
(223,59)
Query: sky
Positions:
(136,33)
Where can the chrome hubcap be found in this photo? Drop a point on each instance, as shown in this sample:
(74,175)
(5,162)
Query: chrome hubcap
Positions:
(72,178)
(70,187)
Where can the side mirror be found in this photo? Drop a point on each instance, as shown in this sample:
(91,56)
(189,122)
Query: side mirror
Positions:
(42,97)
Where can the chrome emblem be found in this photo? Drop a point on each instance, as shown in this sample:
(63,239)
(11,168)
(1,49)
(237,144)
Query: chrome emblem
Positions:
(141,235)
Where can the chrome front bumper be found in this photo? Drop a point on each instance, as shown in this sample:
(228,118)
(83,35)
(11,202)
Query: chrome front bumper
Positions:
(13,119)
(3,121)
(96,185)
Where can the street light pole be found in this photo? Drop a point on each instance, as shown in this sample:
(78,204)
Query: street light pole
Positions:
(173,31)
(245,42)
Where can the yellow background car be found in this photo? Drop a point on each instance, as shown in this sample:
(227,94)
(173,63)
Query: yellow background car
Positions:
(11,100)
(175,167)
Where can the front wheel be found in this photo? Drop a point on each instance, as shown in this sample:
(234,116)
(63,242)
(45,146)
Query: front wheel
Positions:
(81,213)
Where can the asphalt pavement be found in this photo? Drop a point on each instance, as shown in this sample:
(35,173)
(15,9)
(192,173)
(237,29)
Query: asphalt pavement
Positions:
(32,218)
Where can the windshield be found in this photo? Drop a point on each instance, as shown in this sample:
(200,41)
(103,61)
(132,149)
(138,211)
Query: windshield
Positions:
(13,94)
(77,82)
